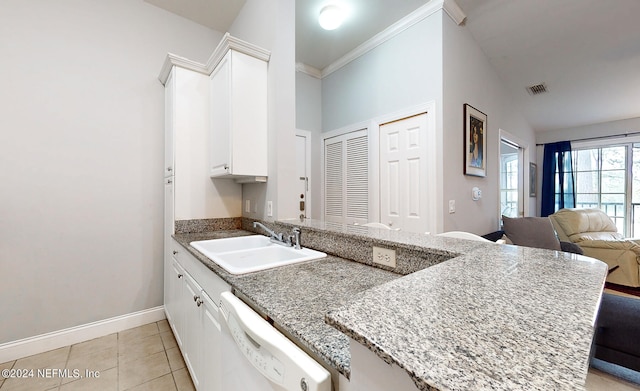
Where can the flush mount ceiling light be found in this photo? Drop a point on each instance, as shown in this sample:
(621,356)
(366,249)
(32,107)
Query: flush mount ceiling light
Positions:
(331,17)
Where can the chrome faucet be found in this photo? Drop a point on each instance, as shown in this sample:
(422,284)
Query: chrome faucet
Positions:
(290,240)
(274,236)
(295,238)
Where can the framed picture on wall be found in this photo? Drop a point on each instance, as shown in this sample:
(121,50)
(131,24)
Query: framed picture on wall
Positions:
(475,141)
(533,179)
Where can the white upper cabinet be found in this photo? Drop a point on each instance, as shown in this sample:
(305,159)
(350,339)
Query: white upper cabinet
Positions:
(238,90)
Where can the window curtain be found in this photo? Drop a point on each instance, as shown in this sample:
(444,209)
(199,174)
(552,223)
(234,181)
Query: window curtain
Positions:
(557,178)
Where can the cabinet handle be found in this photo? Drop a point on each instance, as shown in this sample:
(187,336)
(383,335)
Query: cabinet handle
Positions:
(196,298)
(199,302)
(174,252)
(169,181)
(169,169)
(179,275)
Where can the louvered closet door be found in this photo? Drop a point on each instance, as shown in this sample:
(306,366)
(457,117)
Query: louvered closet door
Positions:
(346,178)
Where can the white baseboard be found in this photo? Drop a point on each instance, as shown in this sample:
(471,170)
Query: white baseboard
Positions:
(41,343)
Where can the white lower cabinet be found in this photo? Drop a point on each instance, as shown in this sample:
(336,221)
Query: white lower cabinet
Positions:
(193,316)
(210,378)
(172,299)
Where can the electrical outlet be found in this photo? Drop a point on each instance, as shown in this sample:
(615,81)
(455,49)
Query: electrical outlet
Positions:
(247,206)
(452,206)
(269,208)
(384,256)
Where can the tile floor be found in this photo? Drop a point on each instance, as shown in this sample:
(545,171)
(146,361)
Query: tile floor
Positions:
(147,358)
(144,358)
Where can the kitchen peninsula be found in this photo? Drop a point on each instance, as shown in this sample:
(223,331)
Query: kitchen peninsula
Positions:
(473,316)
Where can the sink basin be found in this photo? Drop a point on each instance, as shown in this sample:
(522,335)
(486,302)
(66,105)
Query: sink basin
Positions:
(246,254)
(216,246)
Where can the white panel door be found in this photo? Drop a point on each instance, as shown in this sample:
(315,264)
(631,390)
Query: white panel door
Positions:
(403,172)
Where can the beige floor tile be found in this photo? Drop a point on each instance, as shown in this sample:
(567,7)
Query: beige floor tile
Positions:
(601,381)
(95,362)
(137,332)
(168,340)
(5,365)
(175,359)
(35,379)
(140,348)
(163,383)
(106,381)
(163,325)
(183,380)
(44,360)
(142,370)
(94,345)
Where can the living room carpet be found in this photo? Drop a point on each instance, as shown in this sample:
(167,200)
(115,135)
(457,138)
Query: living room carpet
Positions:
(624,289)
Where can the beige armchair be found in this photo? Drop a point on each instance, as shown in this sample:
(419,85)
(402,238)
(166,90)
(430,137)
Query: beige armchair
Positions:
(599,238)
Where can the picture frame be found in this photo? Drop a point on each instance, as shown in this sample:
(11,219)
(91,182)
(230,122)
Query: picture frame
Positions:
(475,142)
(533,179)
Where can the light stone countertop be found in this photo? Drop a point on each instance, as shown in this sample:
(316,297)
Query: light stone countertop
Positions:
(492,317)
(506,318)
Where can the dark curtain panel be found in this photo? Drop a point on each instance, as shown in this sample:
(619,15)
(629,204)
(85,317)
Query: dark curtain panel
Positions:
(557,178)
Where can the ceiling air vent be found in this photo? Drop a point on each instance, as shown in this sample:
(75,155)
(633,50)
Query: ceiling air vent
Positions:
(537,89)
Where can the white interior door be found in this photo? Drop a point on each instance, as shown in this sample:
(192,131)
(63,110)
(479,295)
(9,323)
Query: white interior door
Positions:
(346,178)
(302,171)
(403,173)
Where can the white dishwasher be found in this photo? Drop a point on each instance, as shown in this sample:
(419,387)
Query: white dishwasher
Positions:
(257,357)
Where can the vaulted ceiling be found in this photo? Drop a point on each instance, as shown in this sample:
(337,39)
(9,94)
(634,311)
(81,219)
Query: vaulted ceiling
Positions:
(586,52)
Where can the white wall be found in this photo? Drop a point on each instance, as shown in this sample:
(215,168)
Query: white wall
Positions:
(82,156)
(270,24)
(402,72)
(309,117)
(470,78)
(308,102)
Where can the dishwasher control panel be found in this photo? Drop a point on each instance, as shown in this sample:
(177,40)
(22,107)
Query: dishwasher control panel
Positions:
(277,358)
(262,359)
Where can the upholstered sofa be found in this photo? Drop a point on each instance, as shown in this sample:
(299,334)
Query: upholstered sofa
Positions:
(599,238)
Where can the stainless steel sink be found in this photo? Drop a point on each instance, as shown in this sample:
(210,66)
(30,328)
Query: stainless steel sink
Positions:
(247,254)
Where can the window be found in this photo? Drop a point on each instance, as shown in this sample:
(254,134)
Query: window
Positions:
(608,178)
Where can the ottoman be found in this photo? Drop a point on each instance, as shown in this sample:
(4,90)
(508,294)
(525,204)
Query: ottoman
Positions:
(617,335)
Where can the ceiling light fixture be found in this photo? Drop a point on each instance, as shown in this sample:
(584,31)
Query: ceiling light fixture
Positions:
(331,17)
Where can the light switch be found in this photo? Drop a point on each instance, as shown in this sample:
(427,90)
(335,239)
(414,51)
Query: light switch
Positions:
(452,206)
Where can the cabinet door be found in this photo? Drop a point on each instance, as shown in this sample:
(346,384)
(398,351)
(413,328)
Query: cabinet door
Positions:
(168,245)
(192,328)
(173,300)
(211,367)
(220,86)
(169,128)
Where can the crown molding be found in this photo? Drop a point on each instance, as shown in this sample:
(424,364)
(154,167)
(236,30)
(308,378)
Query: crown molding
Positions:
(174,60)
(309,70)
(228,42)
(454,11)
(450,7)
(231,42)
